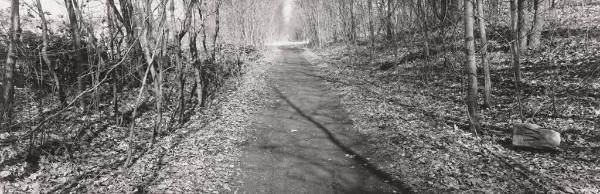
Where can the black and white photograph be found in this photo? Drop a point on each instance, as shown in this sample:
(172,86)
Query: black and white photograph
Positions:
(300,96)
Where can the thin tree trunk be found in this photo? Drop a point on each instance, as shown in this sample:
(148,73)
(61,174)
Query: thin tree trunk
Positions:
(470,64)
(177,60)
(114,76)
(11,58)
(388,22)
(197,65)
(131,135)
(199,83)
(217,28)
(45,57)
(425,30)
(521,25)
(538,23)
(515,41)
(96,72)
(150,48)
(484,58)
(96,80)
(158,79)
(352,22)
(80,53)
(177,36)
(126,17)
(516,52)
(203,27)
(371,28)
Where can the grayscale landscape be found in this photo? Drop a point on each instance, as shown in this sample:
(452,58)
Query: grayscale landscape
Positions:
(299,96)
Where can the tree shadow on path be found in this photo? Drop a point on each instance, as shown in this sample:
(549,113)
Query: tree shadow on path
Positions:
(372,168)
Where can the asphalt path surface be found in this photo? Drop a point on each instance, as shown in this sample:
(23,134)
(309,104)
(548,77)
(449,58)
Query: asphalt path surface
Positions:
(304,141)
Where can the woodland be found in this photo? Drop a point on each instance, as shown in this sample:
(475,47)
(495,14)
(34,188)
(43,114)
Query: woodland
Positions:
(96,95)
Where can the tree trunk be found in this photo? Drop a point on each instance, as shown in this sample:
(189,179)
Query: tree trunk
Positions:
(45,57)
(516,51)
(484,59)
(158,78)
(521,25)
(471,67)
(200,84)
(352,22)
(11,58)
(114,77)
(389,26)
(126,17)
(516,39)
(538,23)
(197,67)
(131,134)
(80,52)
(178,64)
(177,57)
(371,29)
(158,82)
(425,29)
(217,28)
(150,47)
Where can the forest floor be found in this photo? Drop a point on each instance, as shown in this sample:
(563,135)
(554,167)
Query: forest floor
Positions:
(413,112)
(407,110)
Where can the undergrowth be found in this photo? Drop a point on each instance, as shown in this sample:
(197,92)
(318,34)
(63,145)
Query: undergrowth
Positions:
(416,118)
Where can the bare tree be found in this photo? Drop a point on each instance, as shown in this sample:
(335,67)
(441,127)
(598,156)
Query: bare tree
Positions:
(521,25)
(44,53)
(516,47)
(177,36)
(11,58)
(371,27)
(112,48)
(424,26)
(389,25)
(538,23)
(470,66)
(217,28)
(80,62)
(151,48)
(484,52)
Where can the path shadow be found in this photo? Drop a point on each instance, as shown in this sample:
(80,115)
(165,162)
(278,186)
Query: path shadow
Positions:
(372,168)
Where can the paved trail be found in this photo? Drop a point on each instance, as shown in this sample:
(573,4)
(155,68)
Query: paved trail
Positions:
(304,139)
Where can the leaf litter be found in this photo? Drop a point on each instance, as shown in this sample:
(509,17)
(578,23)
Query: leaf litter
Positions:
(420,131)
